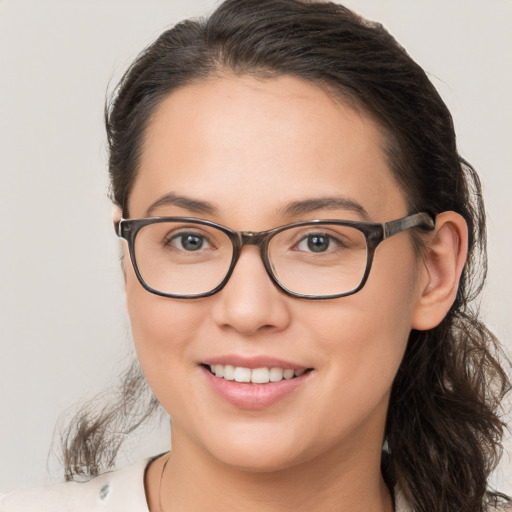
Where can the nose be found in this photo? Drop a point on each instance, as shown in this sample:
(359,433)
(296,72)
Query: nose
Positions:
(250,303)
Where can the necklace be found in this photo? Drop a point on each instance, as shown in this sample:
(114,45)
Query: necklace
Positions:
(160,509)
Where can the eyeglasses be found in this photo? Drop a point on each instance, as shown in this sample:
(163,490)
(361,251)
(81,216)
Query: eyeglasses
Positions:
(187,258)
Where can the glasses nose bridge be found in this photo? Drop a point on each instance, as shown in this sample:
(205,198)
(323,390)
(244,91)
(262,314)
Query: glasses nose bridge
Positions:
(256,238)
(253,238)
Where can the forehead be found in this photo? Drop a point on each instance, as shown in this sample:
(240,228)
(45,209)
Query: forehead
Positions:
(252,144)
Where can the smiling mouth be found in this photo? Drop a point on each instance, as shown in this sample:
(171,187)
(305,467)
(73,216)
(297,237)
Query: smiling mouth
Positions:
(254,375)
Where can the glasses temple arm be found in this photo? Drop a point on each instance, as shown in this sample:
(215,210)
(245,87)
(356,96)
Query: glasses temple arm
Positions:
(421,220)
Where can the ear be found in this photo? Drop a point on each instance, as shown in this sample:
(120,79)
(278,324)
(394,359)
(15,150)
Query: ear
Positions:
(117,214)
(441,268)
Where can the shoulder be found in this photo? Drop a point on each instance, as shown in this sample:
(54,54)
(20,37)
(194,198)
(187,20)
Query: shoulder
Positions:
(115,491)
(495,502)
(501,507)
(500,503)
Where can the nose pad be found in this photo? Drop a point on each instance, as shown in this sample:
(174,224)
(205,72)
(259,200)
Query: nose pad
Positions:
(250,301)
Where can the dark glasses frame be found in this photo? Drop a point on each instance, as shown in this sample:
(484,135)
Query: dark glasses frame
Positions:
(374,232)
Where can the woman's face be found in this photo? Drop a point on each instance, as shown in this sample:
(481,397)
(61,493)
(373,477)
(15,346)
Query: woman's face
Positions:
(250,148)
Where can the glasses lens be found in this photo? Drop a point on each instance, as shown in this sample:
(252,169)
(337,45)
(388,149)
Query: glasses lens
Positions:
(182,258)
(320,259)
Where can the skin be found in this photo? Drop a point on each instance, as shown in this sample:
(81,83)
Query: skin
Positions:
(250,147)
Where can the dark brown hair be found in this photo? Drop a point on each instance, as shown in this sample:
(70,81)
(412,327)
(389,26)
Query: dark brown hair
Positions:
(443,429)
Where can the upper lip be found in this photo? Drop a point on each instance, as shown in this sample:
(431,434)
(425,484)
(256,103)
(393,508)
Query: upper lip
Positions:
(261,361)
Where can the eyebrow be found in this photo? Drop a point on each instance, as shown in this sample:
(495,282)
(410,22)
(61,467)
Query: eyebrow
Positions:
(291,209)
(324,203)
(187,203)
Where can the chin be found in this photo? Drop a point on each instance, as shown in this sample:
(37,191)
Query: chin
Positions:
(257,450)
(259,461)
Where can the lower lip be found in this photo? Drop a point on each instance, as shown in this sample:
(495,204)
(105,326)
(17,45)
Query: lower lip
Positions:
(253,396)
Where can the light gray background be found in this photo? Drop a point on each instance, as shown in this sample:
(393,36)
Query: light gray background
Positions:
(63,330)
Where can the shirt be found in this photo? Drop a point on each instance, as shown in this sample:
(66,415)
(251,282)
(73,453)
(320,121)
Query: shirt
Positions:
(114,491)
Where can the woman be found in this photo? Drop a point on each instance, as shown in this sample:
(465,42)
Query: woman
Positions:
(301,246)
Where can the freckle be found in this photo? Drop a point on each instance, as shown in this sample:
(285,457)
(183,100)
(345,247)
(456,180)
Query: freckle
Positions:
(104,491)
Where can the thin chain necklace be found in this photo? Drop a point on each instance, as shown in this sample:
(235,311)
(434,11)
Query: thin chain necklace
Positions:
(160,484)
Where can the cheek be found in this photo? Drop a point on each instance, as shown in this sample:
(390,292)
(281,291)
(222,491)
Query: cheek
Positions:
(390,296)
(162,330)
(362,338)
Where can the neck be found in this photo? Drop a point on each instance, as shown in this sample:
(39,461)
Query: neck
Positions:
(341,480)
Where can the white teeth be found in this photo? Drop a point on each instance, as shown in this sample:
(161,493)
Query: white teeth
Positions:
(256,375)
(229,372)
(242,374)
(288,374)
(276,374)
(260,375)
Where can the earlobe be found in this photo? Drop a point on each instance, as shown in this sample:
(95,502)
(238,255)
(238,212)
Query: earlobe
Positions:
(441,268)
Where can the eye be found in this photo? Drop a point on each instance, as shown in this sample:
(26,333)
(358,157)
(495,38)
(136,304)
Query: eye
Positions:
(188,242)
(317,242)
